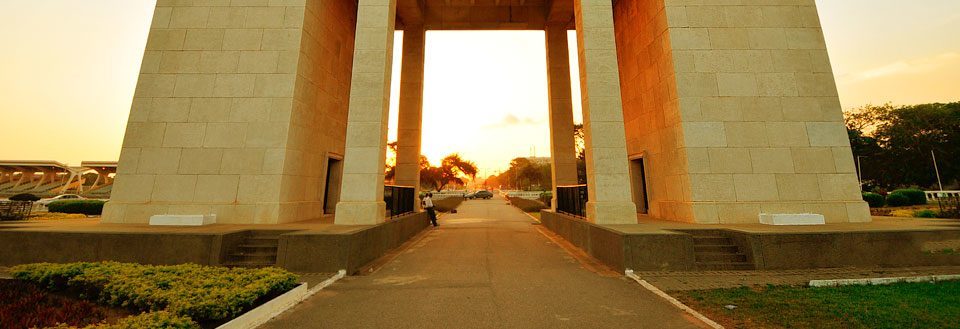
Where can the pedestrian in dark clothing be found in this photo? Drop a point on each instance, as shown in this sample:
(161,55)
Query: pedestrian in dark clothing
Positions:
(428,205)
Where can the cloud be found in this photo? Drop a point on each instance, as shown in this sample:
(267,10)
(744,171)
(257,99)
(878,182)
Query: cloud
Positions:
(915,66)
(512,120)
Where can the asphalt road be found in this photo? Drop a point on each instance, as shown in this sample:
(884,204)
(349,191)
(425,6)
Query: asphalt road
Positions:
(486,267)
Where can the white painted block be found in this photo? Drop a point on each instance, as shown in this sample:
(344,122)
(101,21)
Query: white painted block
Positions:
(183,220)
(792,219)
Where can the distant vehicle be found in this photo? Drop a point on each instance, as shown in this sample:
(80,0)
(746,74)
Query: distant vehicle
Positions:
(47,201)
(480,195)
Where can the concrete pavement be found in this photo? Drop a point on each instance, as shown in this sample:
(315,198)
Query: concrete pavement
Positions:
(486,267)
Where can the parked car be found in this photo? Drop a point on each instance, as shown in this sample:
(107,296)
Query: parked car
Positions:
(45,202)
(481,195)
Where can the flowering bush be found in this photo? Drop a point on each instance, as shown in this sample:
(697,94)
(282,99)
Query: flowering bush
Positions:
(202,293)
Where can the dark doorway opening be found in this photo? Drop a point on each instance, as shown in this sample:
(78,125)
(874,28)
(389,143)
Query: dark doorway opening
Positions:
(638,179)
(331,193)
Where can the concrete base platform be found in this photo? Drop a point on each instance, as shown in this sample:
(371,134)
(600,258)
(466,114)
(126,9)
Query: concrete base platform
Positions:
(311,246)
(653,245)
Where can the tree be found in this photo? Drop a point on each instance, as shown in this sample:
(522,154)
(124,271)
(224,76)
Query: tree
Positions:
(452,170)
(390,172)
(579,140)
(897,141)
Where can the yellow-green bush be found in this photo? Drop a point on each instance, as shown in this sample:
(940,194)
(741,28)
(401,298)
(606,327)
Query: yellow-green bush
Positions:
(202,293)
(149,320)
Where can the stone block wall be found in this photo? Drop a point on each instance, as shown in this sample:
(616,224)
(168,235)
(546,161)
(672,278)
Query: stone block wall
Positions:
(760,123)
(219,110)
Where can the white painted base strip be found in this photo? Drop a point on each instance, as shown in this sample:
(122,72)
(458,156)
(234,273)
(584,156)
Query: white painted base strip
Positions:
(263,313)
(340,274)
(629,273)
(792,219)
(269,310)
(882,281)
(183,220)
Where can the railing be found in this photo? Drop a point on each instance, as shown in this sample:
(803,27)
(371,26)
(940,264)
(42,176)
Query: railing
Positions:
(948,201)
(572,200)
(400,199)
(15,210)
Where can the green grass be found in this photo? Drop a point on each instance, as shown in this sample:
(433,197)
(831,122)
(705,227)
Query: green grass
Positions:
(902,305)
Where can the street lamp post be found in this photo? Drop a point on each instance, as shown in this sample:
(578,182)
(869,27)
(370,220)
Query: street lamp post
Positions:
(937,170)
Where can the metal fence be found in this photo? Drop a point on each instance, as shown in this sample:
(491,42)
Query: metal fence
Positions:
(400,199)
(572,200)
(15,210)
(948,201)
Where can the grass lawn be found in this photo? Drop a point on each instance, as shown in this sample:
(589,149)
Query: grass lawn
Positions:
(902,305)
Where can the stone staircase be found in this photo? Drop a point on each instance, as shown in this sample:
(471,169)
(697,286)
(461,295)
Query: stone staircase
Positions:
(258,249)
(715,252)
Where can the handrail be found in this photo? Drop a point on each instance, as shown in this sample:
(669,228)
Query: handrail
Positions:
(572,200)
(400,200)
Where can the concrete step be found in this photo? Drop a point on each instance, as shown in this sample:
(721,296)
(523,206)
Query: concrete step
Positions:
(259,246)
(724,257)
(723,266)
(247,264)
(716,248)
(702,240)
(263,239)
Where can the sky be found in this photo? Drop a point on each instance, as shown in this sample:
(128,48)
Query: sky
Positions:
(68,70)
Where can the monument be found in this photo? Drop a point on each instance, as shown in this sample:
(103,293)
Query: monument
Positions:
(264,112)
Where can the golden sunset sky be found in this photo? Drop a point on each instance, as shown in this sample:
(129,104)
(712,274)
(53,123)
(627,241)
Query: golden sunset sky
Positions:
(68,70)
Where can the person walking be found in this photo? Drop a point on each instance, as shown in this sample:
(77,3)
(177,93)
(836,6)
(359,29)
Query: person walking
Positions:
(428,205)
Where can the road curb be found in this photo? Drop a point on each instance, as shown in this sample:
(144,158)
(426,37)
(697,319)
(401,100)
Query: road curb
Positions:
(656,291)
(882,281)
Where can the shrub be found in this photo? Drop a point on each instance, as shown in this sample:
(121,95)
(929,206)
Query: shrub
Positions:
(25,197)
(873,199)
(86,207)
(897,200)
(527,205)
(150,320)
(926,213)
(203,293)
(916,196)
(24,305)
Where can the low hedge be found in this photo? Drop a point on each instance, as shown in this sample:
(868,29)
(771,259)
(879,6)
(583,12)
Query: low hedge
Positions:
(86,207)
(25,197)
(527,205)
(873,199)
(926,213)
(897,200)
(149,320)
(202,293)
(917,197)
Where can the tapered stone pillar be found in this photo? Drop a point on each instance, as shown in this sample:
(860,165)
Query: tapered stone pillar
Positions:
(361,195)
(411,106)
(608,177)
(562,148)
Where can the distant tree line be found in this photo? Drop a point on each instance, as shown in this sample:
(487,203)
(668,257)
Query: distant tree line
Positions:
(894,144)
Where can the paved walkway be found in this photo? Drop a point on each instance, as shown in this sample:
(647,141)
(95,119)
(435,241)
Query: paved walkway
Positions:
(486,267)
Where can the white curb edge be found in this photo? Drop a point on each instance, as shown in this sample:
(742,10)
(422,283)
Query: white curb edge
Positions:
(269,310)
(629,273)
(882,281)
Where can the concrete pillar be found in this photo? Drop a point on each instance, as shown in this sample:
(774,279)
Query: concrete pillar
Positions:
(361,198)
(562,149)
(411,106)
(608,177)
